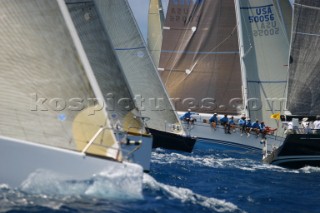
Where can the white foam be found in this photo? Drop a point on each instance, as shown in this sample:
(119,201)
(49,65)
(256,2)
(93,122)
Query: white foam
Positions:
(112,184)
(187,196)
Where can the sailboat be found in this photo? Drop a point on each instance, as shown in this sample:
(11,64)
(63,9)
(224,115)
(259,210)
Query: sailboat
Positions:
(303,148)
(150,96)
(122,112)
(205,66)
(52,114)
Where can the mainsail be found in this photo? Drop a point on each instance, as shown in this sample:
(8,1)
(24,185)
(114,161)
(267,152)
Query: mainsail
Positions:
(155,24)
(48,92)
(104,63)
(264,45)
(199,61)
(304,81)
(136,63)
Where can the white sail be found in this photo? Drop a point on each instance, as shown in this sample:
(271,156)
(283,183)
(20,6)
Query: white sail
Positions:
(136,63)
(108,73)
(50,95)
(155,24)
(264,44)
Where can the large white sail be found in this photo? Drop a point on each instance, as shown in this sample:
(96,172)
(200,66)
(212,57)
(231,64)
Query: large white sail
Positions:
(136,63)
(303,92)
(52,106)
(110,78)
(47,91)
(104,63)
(264,44)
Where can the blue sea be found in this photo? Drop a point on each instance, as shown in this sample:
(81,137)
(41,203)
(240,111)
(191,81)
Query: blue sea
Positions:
(212,178)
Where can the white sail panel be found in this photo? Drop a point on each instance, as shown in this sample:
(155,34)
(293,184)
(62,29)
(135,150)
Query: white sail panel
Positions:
(104,63)
(136,63)
(155,24)
(48,96)
(266,47)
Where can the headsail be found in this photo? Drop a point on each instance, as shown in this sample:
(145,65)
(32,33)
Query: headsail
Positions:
(155,24)
(47,91)
(304,81)
(104,63)
(265,47)
(136,63)
(199,61)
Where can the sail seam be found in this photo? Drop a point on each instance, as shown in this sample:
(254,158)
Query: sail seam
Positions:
(262,82)
(309,34)
(247,8)
(191,52)
(129,48)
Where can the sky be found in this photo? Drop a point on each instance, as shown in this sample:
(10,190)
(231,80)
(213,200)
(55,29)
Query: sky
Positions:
(140,10)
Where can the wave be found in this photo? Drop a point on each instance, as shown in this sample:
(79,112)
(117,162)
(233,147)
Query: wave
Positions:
(187,196)
(115,184)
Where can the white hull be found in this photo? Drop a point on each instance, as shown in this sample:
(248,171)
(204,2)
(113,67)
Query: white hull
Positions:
(19,159)
(139,154)
(205,131)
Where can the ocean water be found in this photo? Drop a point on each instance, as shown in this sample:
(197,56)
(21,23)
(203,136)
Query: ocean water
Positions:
(212,178)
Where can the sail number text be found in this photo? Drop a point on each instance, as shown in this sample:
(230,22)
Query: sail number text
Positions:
(264,21)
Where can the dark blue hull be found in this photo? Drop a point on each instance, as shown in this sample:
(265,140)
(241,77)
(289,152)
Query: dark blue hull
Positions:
(297,151)
(168,140)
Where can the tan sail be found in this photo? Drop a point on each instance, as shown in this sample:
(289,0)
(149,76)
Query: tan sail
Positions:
(199,61)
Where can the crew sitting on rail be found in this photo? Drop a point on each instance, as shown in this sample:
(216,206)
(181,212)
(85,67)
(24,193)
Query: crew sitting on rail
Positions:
(232,124)
(187,117)
(248,126)
(242,124)
(213,121)
(225,122)
(256,127)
